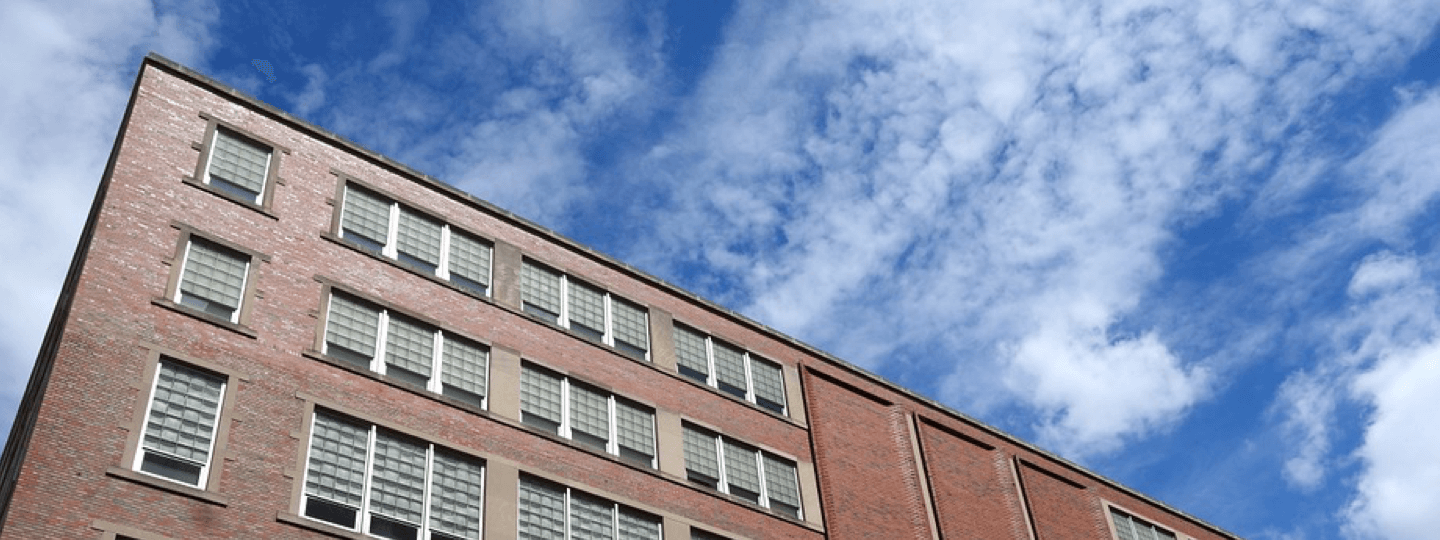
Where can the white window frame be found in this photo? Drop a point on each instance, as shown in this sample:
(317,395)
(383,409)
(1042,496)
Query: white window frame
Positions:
(214,429)
(723,482)
(615,507)
(712,379)
(607,336)
(244,279)
(210,158)
(612,442)
(362,524)
(435,383)
(391,248)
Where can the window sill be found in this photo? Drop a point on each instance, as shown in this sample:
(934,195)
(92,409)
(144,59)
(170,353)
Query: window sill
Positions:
(317,526)
(408,268)
(262,210)
(166,485)
(397,383)
(197,314)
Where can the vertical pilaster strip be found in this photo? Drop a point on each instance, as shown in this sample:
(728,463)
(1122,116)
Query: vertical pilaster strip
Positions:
(1024,499)
(794,394)
(923,473)
(506,275)
(673,529)
(671,440)
(809,492)
(502,500)
(505,382)
(662,340)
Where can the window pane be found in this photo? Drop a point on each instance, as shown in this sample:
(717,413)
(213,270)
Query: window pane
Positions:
(542,510)
(630,324)
(591,518)
(464,366)
(337,461)
(419,237)
(410,346)
(352,325)
(729,365)
(780,481)
(587,306)
(214,273)
(455,496)
(740,468)
(769,381)
(540,394)
(635,427)
(636,525)
(589,411)
(182,413)
(540,286)
(469,258)
(690,349)
(365,215)
(700,454)
(239,162)
(1123,530)
(397,488)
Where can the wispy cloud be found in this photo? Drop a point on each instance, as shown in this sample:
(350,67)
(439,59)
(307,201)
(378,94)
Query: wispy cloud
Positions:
(69,70)
(989,190)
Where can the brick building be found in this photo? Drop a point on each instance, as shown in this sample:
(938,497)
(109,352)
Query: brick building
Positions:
(270,332)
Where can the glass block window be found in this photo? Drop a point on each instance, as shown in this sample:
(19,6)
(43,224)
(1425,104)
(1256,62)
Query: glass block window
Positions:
(587,415)
(550,511)
(406,488)
(420,241)
(238,166)
(586,310)
(213,279)
(179,433)
(1128,527)
(410,351)
(733,467)
(731,369)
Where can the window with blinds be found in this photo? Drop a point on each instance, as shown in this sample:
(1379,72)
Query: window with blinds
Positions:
(1128,527)
(587,415)
(406,487)
(212,279)
(736,468)
(177,440)
(549,511)
(587,310)
(238,166)
(704,359)
(371,337)
(430,246)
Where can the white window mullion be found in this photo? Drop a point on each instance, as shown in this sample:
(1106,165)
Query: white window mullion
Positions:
(613,445)
(760,468)
(567,512)
(391,250)
(363,522)
(382,329)
(724,480)
(710,377)
(609,323)
(425,495)
(443,269)
(564,319)
(565,407)
(437,363)
(749,379)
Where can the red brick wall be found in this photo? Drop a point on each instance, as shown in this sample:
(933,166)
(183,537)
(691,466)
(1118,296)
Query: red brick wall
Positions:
(975,493)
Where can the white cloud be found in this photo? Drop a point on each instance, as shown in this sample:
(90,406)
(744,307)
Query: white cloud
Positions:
(1397,491)
(1002,179)
(70,68)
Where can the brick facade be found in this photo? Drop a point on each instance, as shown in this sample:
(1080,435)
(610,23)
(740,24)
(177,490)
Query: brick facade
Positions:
(872,460)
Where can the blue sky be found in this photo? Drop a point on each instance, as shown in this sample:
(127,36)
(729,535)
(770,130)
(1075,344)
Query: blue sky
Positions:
(1192,245)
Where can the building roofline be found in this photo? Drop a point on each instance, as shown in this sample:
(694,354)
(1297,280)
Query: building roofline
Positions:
(378,159)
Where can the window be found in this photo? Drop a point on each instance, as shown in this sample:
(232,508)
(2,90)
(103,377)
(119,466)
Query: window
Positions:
(1128,527)
(430,246)
(550,511)
(212,279)
(393,344)
(178,439)
(587,415)
(403,488)
(728,466)
(700,534)
(729,368)
(586,310)
(238,167)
